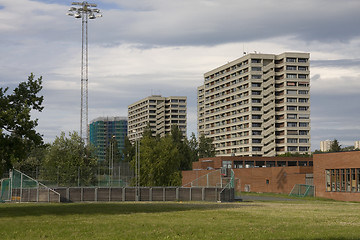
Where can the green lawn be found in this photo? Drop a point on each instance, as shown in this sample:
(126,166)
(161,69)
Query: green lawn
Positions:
(181,220)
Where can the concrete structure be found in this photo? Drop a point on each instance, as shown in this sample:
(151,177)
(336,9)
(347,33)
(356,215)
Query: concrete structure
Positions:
(337,175)
(159,112)
(357,145)
(257,174)
(103,129)
(257,105)
(325,145)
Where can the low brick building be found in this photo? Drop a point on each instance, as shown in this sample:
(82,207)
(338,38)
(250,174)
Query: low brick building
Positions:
(337,175)
(257,174)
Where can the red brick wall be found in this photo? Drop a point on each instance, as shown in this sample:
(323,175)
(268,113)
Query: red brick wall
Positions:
(338,160)
(281,179)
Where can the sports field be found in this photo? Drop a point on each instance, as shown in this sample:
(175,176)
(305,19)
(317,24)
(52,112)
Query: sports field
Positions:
(182,220)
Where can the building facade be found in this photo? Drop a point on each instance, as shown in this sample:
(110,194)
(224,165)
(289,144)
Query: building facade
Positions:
(254,174)
(325,145)
(337,175)
(257,105)
(160,113)
(103,129)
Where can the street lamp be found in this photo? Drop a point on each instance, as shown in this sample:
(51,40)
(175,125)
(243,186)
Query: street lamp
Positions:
(137,166)
(85,11)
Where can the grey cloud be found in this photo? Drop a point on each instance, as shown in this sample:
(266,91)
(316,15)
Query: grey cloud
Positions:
(335,117)
(199,23)
(344,63)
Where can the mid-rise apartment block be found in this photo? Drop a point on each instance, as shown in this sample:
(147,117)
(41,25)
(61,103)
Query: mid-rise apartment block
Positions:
(325,145)
(103,129)
(257,105)
(160,113)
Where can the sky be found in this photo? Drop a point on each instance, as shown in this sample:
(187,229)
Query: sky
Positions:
(164,47)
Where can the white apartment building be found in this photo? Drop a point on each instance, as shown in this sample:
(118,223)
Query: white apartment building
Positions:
(257,105)
(325,145)
(159,112)
(357,145)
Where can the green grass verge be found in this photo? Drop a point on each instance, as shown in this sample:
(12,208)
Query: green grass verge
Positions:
(181,220)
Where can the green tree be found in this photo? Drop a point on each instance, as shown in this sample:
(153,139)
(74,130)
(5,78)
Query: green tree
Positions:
(129,150)
(32,164)
(69,162)
(194,148)
(112,152)
(160,159)
(206,147)
(335,146)
(183,148)
(17,130)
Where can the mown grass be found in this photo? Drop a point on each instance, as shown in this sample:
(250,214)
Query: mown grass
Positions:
(176,220)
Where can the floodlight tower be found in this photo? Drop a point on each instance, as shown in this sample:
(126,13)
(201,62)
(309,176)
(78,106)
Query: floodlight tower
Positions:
(85,11)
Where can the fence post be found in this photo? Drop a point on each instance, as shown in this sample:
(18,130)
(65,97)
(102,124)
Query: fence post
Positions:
(37,192)
(177,194)
(96,194)
(123,194)
(190,194)
(203,194)
(164,194)
(150,194)
(68,194)
(21,185)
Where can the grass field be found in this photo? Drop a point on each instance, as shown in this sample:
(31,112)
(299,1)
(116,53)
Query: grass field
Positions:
(182,220)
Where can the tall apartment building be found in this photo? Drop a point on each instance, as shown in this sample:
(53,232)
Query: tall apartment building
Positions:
(257,105)
(103,129)
(325,145)
(159,112)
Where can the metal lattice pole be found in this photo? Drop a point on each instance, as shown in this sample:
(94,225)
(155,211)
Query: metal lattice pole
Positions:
(84,11)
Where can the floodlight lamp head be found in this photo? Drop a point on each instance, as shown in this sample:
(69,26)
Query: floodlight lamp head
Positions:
(77,15)
(70,14)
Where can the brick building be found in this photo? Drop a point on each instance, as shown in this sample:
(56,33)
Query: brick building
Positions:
(257,174)
(337,175)
(334,175)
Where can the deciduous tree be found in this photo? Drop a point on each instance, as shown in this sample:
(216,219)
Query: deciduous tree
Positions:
(17,130)
(69,162)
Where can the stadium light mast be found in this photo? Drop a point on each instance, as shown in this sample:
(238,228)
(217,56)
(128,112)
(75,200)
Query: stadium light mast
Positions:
(85,11)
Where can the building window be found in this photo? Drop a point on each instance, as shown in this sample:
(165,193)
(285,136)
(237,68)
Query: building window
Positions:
(291,116)
(292,140)
(292,91)
(291,99)
(226,164)
(303,149)
(289,75)
(303,124)
(342,180)
(292,149)
(290,59)
(292,124)
(290,67)
(303,91)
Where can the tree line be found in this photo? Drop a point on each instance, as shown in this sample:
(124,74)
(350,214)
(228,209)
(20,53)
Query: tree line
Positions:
(162,158)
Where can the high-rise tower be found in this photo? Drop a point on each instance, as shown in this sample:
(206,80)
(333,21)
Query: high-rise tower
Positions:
(257,105)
